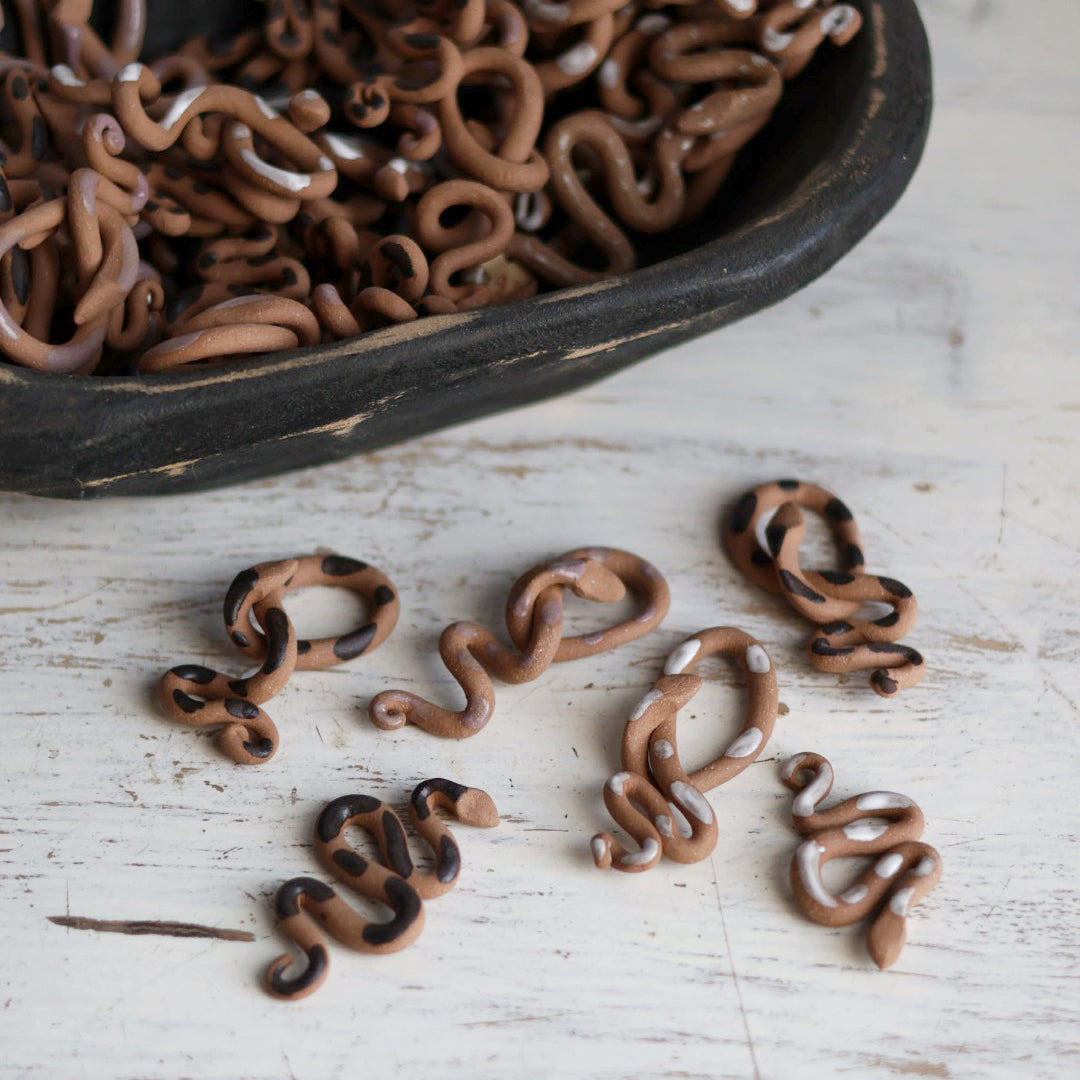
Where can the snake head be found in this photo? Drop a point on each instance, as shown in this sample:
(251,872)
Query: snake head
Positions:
(367,106)
(677,689)
(476,807)
(599,583)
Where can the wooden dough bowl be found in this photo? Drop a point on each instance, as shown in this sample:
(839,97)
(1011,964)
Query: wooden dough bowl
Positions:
(840,150)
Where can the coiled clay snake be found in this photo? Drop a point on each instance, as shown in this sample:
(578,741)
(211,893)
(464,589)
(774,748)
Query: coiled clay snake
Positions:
(534,618)
(829,598)
(653,775)
(304,904)
(880,823)
(204,697)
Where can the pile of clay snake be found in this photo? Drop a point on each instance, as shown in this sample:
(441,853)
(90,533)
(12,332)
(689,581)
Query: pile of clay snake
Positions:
(349,164)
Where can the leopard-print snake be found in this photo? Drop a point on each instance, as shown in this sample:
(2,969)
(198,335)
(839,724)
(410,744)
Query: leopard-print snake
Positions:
(305,904)
(829,598)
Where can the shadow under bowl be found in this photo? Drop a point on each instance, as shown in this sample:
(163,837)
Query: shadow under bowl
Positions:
(840,150)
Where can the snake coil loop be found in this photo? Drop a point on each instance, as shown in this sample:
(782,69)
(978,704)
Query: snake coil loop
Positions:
(534,618)
(80,45)
(653,776)
(106,262)
(744,86)
(481,237)
(791,31)
(203,697)
(829,598)
(514,164)
(595,131)
(303,904)
(235,327)
(881,823)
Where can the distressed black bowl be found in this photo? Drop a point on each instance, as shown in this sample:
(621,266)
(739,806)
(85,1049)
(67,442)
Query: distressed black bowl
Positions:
(839,152)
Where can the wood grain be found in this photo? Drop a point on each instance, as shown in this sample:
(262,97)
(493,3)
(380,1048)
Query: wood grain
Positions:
(930,379)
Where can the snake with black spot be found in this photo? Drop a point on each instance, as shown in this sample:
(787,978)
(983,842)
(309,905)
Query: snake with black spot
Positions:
(763,535)
(304,904)
(201,696)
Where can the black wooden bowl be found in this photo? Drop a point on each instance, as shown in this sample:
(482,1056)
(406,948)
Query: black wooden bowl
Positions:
(841,149)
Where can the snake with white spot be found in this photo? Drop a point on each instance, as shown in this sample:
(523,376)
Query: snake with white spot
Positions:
(763,534)
(881,823)
(652,776)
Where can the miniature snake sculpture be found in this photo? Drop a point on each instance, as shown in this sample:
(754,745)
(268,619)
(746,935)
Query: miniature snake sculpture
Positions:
(534,618)
(881,823)
(653,775)
(303,904)
(203,697)
(829,598)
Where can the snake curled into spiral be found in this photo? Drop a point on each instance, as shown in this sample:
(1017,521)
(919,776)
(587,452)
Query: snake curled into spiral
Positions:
(304,904)
(206,698)
(879,823)
(534,619)
(653,780)
(342,166)
(771,514)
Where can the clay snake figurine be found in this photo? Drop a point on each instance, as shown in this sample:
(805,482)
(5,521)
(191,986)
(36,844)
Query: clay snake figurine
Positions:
(829,598)
(534,617)
(204,697)
(881,823)
(304,904)
(653,776)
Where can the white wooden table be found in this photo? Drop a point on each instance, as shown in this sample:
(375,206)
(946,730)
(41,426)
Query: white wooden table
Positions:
(931,379)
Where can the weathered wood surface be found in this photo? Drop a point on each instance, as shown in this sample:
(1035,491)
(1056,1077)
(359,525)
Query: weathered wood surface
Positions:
(930,379)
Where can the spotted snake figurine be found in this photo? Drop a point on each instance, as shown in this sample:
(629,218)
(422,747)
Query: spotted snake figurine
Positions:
(653,776)
(879,823)
(203,697)
(305,904)
(829,598)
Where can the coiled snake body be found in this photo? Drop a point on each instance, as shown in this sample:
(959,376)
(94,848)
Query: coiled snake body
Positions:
(304,904)
(653,775)
(203,697)
(882,823)
(829,598)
